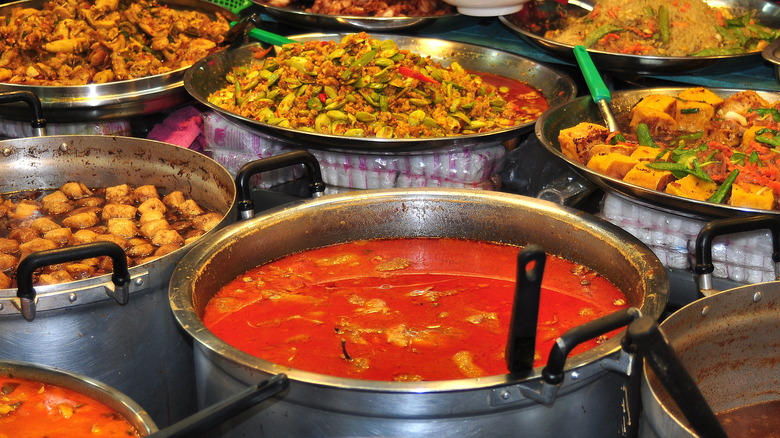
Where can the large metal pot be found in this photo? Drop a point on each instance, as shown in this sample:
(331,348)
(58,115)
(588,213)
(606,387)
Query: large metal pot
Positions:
(597,397)
(727,341)
(136,348)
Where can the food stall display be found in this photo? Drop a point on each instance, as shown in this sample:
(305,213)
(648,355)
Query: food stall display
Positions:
(441,115)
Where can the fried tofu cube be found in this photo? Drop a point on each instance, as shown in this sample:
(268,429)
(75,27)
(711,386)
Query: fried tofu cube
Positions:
(693,116)
(692,187)
(620,148)
(700,94)
(658,122)
(752,196)
(190,209)
(174,199)
(122,227)
(75,190)
(612,164)
(644,176)
(742,101)
(152,204)
(119,194)
(648,153)
(142,193)
(5,281)
(576,141)
(118,211)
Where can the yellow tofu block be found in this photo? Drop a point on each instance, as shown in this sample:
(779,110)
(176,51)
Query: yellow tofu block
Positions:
(644,176)
(612,164)
(700,94)
(750,134)
(648,153)
(692,187)
(576,141)
(752,196)
(658,102)
(622,149)
(657,121)
(693,116)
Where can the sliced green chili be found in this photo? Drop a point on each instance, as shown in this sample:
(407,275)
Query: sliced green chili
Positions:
(720,195)
(767,111)
(693,110)
(643,136)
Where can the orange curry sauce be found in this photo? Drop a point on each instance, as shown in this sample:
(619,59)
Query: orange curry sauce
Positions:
(33,409)
(404,309)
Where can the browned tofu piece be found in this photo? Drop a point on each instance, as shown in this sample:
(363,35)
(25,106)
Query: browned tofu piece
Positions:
(700,94)
(644,176)
(659,122)
(742,101)
(623,149)
(692,187)
(752,196)
(648,153)
(693,116)
(612,164)
(576,141)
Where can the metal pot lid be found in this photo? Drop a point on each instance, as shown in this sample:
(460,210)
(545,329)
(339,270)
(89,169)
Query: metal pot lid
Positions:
(120,99)
(208,75)
(583,109)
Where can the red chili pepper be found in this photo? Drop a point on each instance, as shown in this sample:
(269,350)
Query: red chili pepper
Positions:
(261,53)
(322,97)
(414,74)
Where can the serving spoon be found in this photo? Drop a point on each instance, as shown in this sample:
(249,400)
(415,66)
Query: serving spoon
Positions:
(598,90)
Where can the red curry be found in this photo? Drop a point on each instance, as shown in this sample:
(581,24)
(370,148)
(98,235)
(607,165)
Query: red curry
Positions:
(33,409)
(409,309)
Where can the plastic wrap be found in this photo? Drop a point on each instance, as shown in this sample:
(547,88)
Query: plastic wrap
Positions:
(743,257)
(473,166)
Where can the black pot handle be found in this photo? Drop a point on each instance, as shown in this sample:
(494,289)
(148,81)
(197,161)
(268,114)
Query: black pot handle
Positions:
(38,122)
(246,207)
(525,311)
(28,265)
(553,372)
(703,250)
(203,421)
(646,336)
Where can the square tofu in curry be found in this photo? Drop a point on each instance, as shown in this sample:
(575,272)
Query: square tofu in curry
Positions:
(752,196)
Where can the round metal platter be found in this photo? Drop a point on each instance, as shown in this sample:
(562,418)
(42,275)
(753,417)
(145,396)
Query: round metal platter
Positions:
(767,13)
(113,100)
(583,109)
(298,17)
(208,76)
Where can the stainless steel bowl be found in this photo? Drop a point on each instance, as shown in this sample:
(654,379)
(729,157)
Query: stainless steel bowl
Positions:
(311,20)
(583,109)
(113,100)
(767,13)
(208,76)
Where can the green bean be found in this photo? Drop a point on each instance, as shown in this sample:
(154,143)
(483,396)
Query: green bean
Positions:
(599,33)
(720,195)
(664,24)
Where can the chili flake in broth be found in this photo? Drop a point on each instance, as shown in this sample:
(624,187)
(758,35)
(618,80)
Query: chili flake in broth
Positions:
(365,87)
(408,309)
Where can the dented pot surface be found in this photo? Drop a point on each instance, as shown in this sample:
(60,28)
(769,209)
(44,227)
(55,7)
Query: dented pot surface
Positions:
(136,348)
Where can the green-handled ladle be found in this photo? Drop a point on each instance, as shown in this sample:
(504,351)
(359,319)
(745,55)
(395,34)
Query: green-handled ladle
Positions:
(598,90)
(238,6)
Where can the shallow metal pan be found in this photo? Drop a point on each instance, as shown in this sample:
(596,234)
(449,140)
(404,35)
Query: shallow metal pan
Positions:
(208,75)
(767,13)
(583,109)
(113,100)
(309,20)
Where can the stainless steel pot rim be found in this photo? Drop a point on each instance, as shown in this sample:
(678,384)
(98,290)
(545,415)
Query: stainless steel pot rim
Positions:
(184,312)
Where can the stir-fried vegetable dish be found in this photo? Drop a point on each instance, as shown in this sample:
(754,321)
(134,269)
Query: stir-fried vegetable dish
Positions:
(695,144)
(33,409)
(664,28)
(69,42)
(405,309)
(364,87)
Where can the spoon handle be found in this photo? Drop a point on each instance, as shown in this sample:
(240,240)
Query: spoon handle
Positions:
(598,90)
